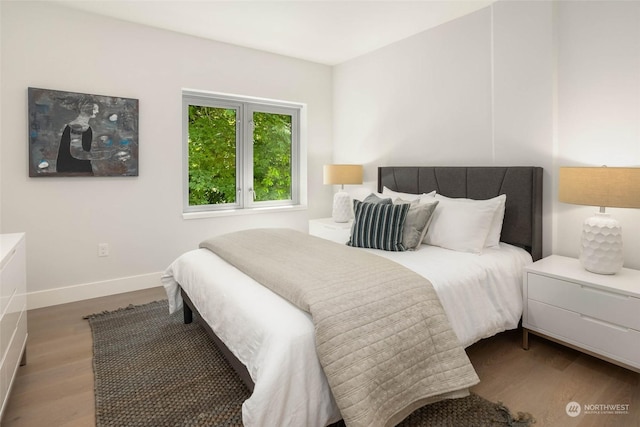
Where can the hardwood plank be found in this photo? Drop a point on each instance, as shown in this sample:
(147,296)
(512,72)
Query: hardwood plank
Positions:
(55,388)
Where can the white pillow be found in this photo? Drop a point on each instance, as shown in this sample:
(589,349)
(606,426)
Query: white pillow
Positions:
(463,224)
(493,237)
(404,196)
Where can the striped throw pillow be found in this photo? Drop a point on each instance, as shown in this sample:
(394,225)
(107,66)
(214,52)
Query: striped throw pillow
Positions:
(378,226)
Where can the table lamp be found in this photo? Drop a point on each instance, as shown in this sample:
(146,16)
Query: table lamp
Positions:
(341,175)
(601,241)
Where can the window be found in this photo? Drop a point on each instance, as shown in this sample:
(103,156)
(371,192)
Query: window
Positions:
(240,153)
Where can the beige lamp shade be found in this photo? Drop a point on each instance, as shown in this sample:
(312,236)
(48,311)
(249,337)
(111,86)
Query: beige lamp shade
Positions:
(600,186)
(343,174)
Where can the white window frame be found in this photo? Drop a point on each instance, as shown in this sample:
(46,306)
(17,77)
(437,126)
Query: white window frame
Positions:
(245,107)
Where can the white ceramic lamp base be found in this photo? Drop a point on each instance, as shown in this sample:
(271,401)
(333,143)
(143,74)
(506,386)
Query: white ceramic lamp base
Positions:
(341,207)
(601,244)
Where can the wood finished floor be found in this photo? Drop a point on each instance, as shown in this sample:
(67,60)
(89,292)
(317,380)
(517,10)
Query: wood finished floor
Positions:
(55,388)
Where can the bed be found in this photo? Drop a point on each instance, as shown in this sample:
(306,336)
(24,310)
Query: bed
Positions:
(270,342)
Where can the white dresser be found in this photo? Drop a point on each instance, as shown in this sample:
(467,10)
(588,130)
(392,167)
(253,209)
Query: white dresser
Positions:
(13,310)
(594,313)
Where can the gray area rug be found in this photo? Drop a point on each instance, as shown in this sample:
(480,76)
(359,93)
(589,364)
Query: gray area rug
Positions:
(153,370)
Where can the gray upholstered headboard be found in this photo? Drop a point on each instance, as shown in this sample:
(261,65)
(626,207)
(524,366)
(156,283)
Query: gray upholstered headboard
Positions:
(522,224)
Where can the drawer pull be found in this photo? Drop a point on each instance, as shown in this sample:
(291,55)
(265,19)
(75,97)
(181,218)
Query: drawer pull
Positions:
(609,294)
(607,324)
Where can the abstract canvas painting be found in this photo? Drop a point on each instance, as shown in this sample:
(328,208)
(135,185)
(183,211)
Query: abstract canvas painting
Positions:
(77,134)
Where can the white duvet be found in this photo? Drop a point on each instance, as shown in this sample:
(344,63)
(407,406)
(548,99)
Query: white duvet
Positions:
(481,294)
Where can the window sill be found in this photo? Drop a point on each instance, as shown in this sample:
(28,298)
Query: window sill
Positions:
(241,212)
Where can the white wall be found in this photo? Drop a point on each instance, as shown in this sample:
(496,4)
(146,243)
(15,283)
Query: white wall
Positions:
(47,46)
(598,106)
(459,94)
(517,83)
(405,102)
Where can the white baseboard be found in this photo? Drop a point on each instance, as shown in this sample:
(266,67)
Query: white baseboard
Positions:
(84,291)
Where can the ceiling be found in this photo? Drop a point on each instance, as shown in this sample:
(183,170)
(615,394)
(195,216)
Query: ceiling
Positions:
(326,32)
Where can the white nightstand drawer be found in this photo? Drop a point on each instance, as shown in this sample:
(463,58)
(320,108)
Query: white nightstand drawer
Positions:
(601,304)
(613,341)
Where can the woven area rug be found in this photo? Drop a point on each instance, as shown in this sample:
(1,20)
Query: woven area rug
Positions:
(153,370)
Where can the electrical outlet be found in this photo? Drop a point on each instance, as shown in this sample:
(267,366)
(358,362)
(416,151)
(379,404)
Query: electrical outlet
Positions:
(103,249)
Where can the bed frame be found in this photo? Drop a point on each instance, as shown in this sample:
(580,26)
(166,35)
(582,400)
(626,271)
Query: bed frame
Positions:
(522,224)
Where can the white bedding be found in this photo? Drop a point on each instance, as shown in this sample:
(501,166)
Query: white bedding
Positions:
(481,295)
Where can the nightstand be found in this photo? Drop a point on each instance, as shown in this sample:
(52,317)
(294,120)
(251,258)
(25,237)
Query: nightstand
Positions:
(327,228)
(594,313)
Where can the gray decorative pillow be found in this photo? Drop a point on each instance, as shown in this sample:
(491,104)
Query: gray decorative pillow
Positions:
(378,226)
(372,198)
(417,222)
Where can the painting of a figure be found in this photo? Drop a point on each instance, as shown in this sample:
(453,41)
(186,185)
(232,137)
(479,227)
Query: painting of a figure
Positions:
(77,134)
